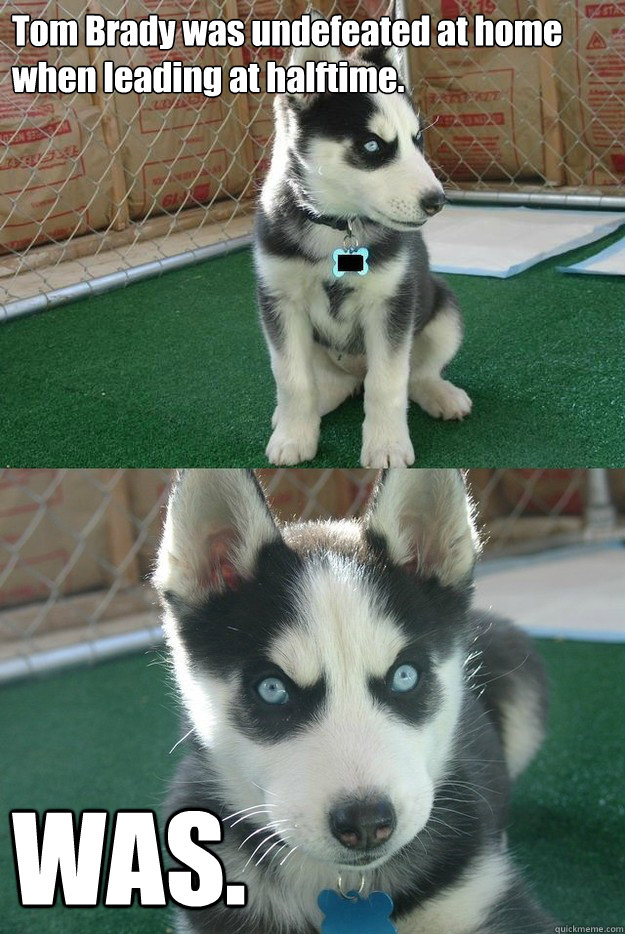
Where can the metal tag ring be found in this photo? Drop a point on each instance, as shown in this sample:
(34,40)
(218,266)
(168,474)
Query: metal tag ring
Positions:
(350,242)
(339,885)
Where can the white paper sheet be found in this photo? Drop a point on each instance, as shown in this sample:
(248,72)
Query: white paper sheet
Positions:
(609,262)
(502,241)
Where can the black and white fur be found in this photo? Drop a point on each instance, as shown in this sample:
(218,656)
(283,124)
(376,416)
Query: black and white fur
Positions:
(332,609)
(394,329)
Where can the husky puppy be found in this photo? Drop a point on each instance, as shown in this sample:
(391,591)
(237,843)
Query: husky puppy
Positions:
(349,713)
(352,162)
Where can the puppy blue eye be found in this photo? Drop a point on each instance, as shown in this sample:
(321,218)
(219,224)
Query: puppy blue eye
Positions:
(272,691)
(405,678)
(371,145)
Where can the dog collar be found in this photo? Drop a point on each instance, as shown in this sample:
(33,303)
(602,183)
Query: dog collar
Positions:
(325,220)
(351,258)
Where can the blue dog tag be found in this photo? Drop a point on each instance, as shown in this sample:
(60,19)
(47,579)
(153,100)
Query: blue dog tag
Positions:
(350,260)
(353,914)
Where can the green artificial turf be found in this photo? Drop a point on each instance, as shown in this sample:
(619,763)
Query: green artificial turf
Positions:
(100,738)
(174,372)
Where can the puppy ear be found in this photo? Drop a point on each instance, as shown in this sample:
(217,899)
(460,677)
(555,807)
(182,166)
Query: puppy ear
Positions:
(301,55)
(381,57)
(426,520)
(217,522)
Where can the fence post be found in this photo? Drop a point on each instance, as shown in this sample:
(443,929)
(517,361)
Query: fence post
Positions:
(600,514)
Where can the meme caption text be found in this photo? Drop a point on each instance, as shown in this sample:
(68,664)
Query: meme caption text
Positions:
(172,76)
(65,856)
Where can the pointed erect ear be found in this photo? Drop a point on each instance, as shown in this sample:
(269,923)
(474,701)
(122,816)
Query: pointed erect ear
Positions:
(217,522)
(381,56)
(426,520)
(300,55)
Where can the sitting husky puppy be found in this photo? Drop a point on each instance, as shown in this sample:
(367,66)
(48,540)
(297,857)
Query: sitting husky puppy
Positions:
(352,163)
(354,724)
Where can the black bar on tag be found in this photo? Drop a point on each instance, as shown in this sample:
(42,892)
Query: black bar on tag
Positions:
(350,262)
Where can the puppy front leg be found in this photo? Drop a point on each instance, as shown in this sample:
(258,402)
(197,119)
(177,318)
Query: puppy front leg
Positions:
(385,438)
(296,418)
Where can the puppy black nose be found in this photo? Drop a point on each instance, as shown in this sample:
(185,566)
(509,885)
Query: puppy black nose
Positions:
(432,202)
(363,824)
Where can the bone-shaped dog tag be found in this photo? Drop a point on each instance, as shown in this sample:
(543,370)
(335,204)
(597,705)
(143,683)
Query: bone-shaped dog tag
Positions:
(353,914)
(350,260)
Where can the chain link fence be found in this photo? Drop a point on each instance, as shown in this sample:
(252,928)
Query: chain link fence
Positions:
(77,546)
(98,190)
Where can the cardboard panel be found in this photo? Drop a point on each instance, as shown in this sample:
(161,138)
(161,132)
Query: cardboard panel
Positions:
(590,71)
(55,177)
(179,150)
(485,103)
(50,524)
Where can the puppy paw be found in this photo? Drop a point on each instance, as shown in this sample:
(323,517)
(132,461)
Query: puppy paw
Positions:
(291,445)
(379,450)
(440,398)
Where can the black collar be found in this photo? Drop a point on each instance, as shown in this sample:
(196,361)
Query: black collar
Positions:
(337,223)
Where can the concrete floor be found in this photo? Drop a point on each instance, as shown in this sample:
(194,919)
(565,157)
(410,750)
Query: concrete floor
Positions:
(576,593)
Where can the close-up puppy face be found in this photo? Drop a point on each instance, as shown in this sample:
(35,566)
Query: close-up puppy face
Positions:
(362,154)
(314,673)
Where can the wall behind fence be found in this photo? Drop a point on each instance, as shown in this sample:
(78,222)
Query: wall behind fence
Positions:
(77,546)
